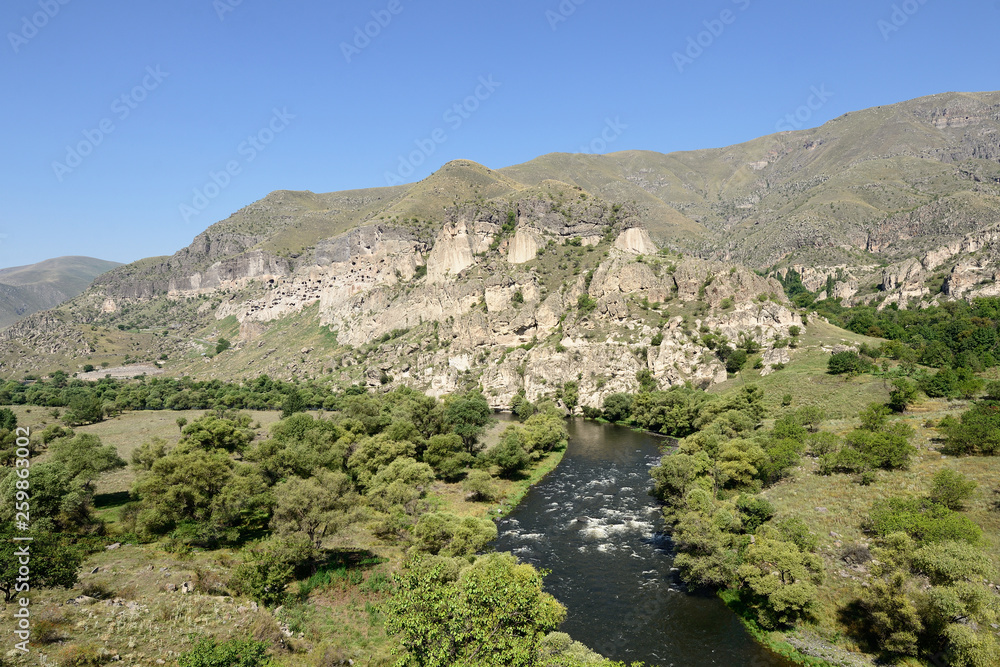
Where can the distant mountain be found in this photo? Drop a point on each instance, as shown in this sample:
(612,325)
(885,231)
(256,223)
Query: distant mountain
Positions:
(568,270)
(28,289)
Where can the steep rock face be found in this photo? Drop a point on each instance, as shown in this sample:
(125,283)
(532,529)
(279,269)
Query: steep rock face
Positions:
(523,247)
(456,247)
(636,240)
(904,281)
(973,262)
(679,359)
(348,266)
(972,279)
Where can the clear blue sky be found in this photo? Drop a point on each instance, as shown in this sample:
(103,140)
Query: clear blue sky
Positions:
(198,80)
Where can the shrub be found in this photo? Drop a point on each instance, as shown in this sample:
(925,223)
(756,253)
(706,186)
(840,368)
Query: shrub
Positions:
(756,511)
(822,443)
(848,362)
(921,519)
(448,535)
(509,456)
(903,394)
(233,653)
(951,489)
(736,361)
(480,486)
(978,431)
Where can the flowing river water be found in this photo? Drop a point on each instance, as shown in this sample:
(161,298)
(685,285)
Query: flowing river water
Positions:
(592,523)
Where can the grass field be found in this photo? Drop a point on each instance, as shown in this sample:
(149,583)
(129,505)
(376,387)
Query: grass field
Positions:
(835,507)
(806,380)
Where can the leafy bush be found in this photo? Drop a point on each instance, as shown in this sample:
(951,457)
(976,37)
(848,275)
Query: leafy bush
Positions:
(233,653)
(903,394)
(585,303)
(480,486)
(951,489)
(978,431)
(448,535)
(509,456)
(736,361)
(847,362)
(921,519)
(446,617)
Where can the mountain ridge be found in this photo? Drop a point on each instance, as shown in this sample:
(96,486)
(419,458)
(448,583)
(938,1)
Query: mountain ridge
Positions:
(33,287)
(566,266)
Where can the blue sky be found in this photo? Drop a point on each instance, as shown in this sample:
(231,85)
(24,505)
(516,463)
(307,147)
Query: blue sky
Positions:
(129,127)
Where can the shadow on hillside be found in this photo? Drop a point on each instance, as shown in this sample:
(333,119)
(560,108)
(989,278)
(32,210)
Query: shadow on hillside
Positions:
(111,500)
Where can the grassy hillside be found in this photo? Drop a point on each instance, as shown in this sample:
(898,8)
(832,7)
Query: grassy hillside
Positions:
(28,289)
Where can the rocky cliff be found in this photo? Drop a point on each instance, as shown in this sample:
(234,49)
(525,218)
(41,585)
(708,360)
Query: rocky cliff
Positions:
(569,273)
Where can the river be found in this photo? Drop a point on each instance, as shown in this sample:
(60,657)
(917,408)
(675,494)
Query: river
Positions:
(592,523)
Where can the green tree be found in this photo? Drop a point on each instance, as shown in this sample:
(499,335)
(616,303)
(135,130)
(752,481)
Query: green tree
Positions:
(923,520)
(148,453)
(544,432)
(736,361)
(447,455)
(781,581)
(951,488)
(448,535)
(977,432)
(269,566)
(468,415)
(54,561)
(372,454)
(892,617)
(292,404)
(848,362)
(480,486)
(84,458)
(509,455)
(493,612)
(617,407)
(180,486)
(212,432)
(84,409)
(314,506)
(903,394)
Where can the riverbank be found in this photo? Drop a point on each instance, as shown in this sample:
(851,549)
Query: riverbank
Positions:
(798,646)
(521,487)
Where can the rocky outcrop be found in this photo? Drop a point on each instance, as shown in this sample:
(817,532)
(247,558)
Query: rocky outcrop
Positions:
(636,240)
(523,247)
(456,247)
